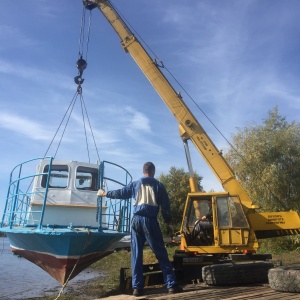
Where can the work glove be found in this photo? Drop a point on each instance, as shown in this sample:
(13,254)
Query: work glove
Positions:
(101,193)
(170,230)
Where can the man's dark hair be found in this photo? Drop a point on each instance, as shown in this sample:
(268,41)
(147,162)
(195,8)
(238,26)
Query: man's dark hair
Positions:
(149,168)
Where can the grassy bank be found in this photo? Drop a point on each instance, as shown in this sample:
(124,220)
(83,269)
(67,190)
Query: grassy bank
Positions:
(110,267)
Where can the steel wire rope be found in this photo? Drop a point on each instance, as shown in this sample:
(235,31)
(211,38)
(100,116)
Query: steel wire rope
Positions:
(83,121)
(82,33)
(69,109)
(75,265)
(72,103)
(90,126)
(73,100)
(67,122)
(88,37)
(81,48)
(130,27)
(80,54)
(83,108)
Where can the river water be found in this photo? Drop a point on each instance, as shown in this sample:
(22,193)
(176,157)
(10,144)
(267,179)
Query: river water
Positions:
(21,279)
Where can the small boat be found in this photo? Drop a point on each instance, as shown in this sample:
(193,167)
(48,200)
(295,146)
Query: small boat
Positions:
(53,217)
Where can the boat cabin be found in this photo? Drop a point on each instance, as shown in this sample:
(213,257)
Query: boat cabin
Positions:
(72,193)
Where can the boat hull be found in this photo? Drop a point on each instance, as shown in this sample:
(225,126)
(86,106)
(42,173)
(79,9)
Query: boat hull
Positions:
(63,253)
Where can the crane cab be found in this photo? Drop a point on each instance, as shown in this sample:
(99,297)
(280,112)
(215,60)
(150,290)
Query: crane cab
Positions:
(214,223)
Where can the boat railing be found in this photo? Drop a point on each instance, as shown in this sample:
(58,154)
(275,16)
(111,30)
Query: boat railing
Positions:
(21,211)
(117,213)
(19,195)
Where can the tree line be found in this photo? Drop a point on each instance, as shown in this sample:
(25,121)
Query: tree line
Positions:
(265,159)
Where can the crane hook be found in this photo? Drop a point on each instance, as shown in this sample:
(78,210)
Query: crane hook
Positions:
(81,65)
(78,80)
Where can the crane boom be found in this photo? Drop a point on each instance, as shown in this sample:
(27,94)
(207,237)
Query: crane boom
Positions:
(235,226)
(189,127)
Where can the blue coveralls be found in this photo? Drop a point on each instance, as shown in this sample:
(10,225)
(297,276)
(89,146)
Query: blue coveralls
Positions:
(149,195)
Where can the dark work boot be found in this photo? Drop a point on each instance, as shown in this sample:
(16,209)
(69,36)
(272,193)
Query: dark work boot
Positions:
(138,292)
(175,289)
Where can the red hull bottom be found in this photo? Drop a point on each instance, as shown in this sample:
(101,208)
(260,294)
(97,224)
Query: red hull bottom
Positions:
(61,269)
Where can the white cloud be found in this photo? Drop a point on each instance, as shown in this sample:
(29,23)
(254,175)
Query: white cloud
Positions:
(136,122)
(24,126)
(36,75)
(12,37)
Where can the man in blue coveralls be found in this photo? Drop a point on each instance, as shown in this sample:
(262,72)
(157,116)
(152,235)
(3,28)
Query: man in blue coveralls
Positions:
(149,195)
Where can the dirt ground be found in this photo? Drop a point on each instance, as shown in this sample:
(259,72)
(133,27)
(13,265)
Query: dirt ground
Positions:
(95,289)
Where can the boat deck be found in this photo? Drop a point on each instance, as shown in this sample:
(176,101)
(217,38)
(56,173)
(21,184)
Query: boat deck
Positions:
(202,291)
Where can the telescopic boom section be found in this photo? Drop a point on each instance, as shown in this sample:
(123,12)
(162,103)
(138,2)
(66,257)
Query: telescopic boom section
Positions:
(189,127)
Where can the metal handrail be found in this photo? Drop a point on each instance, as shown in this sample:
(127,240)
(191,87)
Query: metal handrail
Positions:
(113,215)
(18,201)
(118,213)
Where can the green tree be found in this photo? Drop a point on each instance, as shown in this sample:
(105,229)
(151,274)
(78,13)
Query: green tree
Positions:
(266,160)
(177,186)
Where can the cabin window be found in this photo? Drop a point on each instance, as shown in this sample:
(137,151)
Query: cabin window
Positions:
(237,213)
(230,212)
(197,209)
(58,177)
(86,179)
(223,211)
(201,208)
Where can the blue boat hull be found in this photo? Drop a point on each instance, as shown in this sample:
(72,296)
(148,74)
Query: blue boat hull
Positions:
(63,253)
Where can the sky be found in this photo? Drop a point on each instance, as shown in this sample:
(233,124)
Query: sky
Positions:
(236,59)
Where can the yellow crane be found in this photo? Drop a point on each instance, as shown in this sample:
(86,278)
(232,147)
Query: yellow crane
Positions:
(217,227)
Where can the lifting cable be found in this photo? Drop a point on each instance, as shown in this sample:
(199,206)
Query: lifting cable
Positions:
(84,112)
(81,65)
(81,62)
(66,115)
(75,265)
